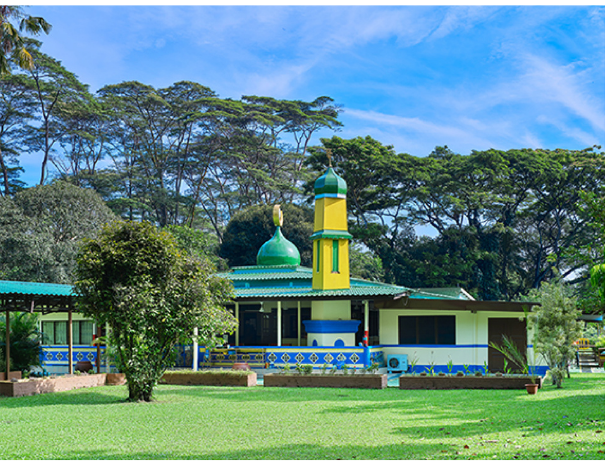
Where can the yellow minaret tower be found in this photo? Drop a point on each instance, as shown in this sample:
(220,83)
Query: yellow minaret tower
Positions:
(330,233)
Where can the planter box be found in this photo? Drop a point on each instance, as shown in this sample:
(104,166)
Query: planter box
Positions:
(220,378)
(11,375)
(465,382)
(335,381)
(45,385)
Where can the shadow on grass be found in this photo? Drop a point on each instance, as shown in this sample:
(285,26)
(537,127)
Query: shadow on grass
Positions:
(407,450)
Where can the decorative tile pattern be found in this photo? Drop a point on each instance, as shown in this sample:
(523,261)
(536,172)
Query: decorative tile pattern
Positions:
(299,357)
(328,358)
(341,357)
(79,356)
(60,356)
(272,357)
(285,358)
(313,357)
(91,357)
(354,358)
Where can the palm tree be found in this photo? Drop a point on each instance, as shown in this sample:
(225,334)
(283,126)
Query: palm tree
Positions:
(11,42)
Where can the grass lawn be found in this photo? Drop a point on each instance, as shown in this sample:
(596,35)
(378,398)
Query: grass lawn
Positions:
(188,422)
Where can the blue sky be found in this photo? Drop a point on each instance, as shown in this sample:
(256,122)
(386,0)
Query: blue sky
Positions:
(410,76)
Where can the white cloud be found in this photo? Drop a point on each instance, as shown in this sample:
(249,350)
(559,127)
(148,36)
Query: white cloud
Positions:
(420,136)
(560,84)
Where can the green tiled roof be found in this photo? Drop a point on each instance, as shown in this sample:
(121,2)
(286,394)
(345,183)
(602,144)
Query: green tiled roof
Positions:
(19,287)
(309,293)
(287,281)
(264,273)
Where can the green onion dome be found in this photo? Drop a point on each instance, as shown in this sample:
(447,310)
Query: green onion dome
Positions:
(330,185)
(278,251)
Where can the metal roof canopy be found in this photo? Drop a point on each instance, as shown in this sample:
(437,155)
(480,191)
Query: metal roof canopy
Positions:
(18,296)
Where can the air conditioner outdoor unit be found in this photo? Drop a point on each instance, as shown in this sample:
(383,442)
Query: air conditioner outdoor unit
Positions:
(397,362)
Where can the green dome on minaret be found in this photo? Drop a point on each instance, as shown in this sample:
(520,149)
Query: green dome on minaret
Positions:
(330,185)
(278,250)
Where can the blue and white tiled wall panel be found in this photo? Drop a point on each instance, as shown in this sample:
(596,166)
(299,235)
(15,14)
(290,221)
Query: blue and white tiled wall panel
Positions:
(317,356)
(277,357)
(54,359)
(377,355)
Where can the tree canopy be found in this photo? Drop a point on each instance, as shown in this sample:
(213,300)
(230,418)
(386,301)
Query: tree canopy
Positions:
(41,229)
(152,294)
(501,222)
(249,229)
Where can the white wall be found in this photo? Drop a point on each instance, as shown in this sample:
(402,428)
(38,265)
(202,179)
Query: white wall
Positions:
(471,338)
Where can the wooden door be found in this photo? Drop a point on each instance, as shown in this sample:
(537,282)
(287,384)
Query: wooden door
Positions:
(516,330)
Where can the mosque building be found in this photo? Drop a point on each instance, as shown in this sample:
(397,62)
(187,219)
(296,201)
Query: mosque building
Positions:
(291,314)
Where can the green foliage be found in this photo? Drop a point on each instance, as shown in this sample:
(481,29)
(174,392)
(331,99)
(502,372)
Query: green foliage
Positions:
(25,340)
(249,229)
(510,350)
(41,228)
(307,369)
(504,221)
(14,45)
(198,243)
(556,327)
(365,264)
(373,368)
(152,295)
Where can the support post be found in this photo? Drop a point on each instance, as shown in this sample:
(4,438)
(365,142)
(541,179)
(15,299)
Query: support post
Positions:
(299,323)
(366,323)
(107,370)
(70,345)
(279,323)
(98,334)
(8,343)
(196,349)
(237,327)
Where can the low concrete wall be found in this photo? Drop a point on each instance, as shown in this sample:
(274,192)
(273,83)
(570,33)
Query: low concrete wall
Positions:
(45,385)
(466,382)
(209,379)
(336,381)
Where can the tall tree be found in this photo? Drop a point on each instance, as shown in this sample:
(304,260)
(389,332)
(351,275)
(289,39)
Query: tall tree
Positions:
(152,295)
(556,327)
(14,47)
(57,91)
(17,109)
(40,231)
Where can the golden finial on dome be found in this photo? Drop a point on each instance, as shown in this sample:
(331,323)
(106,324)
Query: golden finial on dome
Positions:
(329,155)
(278,216)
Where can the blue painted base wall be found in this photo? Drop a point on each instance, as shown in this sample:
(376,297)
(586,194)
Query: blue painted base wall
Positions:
(54,358)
